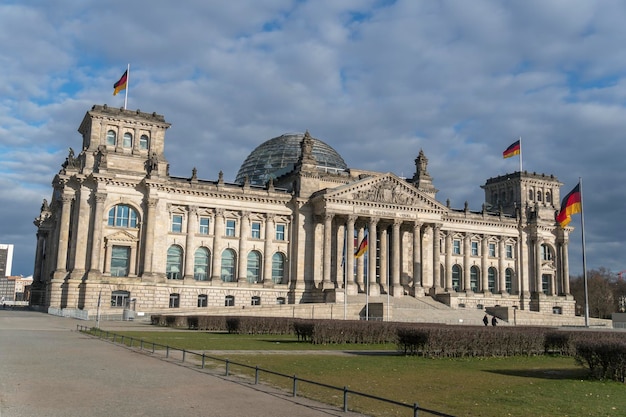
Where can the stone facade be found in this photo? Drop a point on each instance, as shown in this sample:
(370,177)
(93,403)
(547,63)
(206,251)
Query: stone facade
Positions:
(120,232)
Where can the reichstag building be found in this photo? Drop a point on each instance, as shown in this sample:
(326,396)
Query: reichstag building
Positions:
(120,232)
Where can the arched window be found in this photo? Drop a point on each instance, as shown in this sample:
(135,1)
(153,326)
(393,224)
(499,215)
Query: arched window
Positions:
(174,262)
(456,278)
(229,260)
(201,264)
(531,195)
(143,142)
(546,253)
(474,277)
(491,279)
(122,215)
(539,196)
(278,268)
(128,140)
(111,136)
(508,280)
(548,197)
(254,267)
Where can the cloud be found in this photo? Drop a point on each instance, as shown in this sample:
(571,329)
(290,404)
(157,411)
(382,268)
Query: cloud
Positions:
(377,80)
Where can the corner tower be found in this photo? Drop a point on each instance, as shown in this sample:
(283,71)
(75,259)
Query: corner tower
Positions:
(116,140)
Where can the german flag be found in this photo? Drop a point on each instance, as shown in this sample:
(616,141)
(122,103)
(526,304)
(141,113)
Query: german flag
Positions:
(121,84)
(512,150)
(572,204)
(362,248)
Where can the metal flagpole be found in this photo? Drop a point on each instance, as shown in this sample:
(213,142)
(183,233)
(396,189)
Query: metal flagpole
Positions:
(345,273)
(367,277)
(520,154)
(582,227)
(127,85)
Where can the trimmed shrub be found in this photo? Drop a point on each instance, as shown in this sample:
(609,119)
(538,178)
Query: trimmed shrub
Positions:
(412,341)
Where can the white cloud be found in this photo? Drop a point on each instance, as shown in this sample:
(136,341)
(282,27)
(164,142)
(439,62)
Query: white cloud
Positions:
(376,80)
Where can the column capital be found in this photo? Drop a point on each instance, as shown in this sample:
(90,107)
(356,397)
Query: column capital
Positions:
(100,197)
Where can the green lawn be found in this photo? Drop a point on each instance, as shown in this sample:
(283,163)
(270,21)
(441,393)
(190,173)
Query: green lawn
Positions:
(494,387)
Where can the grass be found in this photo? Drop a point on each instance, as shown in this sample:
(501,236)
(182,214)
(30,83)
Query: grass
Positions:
(493,387)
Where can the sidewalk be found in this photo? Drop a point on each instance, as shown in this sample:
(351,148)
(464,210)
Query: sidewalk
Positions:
(48,369)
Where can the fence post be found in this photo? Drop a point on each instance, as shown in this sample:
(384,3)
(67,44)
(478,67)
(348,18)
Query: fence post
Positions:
(345,399)
(415,409)
(152,347)
(256,375)
(167,351)
(295,385)
(140,344)
(202,360)
(227,364)
(183,355)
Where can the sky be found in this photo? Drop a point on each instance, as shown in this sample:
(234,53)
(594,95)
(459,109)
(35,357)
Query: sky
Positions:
(377,80)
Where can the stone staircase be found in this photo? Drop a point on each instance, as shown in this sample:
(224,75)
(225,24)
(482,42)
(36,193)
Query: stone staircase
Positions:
(421,310)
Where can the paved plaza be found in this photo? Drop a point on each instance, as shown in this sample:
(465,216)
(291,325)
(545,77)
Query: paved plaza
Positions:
(49,369)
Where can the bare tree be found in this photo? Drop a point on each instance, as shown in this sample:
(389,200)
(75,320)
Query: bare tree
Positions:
(602,300)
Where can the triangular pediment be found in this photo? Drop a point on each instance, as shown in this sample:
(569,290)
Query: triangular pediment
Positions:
(384,189)
(120,237)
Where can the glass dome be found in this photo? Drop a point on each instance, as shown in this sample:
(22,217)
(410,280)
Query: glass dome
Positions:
(279,155)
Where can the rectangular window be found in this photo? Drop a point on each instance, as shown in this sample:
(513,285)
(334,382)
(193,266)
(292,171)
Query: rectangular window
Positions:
(492,250)
(509,251)
(256,230)
(174,300)
(456,247)
(474,248)
(177,223)
(204,226)
(229,301)
(280,232)
(203,300)
(120,298)
(230,227)
(120,261)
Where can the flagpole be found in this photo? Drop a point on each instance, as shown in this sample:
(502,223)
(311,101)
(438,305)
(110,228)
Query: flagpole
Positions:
(127,85)
(345,272)
(367,277)
(582,228)
(520,155)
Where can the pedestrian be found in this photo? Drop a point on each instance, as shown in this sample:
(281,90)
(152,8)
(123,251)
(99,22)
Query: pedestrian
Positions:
(486,320)
(494,321)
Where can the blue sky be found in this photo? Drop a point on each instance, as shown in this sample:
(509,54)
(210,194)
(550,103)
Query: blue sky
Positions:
(377,80)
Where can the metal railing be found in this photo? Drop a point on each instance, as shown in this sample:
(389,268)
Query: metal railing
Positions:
(152,347)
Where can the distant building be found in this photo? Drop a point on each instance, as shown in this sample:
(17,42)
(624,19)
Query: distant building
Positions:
(6,259)
(119,228)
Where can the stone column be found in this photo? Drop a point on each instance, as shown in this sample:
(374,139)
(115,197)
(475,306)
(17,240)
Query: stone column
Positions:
(427,258)
(150,224)
(267,249)
(372,285)
(350,287)
(565,263)
(538,283)
(436,258)
(397,290)
(216,268)
(327,251)
(501,267)
(448,277)
(38,257)
(340,256)
(466,263)
(383,262)
(417,259)
(484,273)
(192,228)
(95,265)
(244,232)
(81,235)
(64,227)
